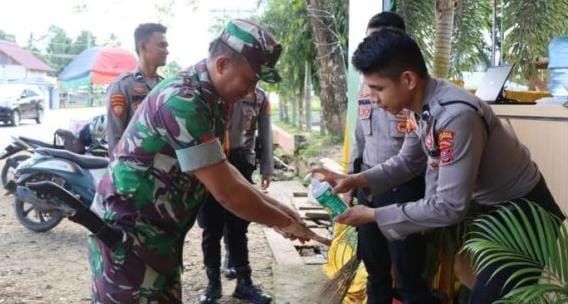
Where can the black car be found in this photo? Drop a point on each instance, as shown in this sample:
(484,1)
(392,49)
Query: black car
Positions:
(19,102)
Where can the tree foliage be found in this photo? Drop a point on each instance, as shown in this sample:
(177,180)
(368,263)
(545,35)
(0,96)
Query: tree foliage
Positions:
(58,46)
(289,21)
(528,27)
(472,20)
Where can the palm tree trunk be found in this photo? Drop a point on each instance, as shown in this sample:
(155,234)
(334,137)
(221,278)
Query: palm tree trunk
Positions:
(332,71)
(443,44)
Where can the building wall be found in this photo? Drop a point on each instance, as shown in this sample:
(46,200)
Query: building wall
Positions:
(12,71)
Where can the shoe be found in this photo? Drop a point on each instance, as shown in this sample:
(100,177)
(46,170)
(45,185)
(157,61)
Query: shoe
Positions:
(213,291)
(245,290)
(252,294)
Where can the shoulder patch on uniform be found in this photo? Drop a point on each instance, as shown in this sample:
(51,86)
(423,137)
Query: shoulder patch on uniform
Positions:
(402,126)
(402,122)
(411,124)
(365,108)
(118,104)
(446,144)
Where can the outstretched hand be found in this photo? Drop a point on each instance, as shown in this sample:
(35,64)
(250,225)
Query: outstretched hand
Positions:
(341,183)
(356,216)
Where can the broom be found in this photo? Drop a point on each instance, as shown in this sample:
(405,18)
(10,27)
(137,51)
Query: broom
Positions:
(334,290)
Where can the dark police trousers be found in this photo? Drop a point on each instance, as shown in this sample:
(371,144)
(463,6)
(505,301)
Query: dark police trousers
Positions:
(488,290)
(407,256)
(214,219)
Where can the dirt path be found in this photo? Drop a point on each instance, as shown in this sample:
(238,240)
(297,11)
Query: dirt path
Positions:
(52,267)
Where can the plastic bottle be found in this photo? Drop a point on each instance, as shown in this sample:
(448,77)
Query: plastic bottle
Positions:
(323,193)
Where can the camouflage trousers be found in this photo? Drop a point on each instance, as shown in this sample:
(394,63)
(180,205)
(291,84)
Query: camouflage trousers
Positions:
(119,276)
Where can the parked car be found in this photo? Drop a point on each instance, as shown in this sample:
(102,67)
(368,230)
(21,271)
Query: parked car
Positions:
(19,102)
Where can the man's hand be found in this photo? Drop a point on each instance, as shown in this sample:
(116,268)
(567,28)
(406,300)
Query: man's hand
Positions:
(348,198)
(265,182)
(296,230)
(356,216)
(341,183)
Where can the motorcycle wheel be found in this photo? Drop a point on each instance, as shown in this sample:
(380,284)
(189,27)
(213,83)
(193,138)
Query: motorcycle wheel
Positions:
(33,218)
(9,169)
(44,221)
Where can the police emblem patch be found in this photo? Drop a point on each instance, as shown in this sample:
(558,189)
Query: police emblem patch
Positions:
(364,108)
(446,144)
(118,104)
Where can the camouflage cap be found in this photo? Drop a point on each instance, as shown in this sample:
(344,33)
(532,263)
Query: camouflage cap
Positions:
(257,45)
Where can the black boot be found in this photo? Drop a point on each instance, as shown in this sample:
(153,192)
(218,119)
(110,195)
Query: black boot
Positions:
(213,290)
(228,269)
(245,290)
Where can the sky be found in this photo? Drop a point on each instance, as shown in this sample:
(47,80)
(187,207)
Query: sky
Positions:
(188,29)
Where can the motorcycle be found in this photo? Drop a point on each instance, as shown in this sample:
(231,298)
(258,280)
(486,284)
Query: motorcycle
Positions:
(78,174)
(90,141)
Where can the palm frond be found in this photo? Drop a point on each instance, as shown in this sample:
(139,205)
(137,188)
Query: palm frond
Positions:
(472,20)
(532,241)
(420,19)
(529,26)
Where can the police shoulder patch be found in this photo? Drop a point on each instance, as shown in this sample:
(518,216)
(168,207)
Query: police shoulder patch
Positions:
(365,108)
(446,144)
(118,104)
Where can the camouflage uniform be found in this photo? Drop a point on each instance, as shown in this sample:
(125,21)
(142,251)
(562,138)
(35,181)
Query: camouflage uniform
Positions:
(149,192)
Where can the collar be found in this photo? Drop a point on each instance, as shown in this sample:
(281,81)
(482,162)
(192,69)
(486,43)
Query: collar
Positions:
(139,75)
(199,73)
(429,98)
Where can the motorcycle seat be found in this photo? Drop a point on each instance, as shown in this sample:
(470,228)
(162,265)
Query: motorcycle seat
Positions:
(38,143)
(86,162)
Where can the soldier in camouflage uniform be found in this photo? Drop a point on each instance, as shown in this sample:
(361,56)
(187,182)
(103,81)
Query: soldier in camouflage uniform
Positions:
(169,157)
(248,116)
(126,92)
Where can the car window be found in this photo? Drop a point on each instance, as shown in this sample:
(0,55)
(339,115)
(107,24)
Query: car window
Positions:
(30,93)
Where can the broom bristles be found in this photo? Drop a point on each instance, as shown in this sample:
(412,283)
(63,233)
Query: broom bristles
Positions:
(334,290)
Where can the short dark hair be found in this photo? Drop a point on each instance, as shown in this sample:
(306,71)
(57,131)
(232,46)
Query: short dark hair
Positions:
(386,19)
(389,52)
(218,47)
(145,30)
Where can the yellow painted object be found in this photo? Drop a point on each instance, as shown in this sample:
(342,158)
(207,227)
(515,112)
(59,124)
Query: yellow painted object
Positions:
(526,96)
(522,96)
(342,249)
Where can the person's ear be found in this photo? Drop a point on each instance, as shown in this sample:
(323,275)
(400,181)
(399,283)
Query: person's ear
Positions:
(141,46)
(222,64)
(409,79)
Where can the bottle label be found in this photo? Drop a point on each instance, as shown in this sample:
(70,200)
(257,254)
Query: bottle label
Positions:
(332,203)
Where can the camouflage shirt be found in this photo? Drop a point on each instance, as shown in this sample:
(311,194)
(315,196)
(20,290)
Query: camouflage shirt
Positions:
(150,192)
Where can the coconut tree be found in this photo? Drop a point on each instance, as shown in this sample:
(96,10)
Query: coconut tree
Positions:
(443,43)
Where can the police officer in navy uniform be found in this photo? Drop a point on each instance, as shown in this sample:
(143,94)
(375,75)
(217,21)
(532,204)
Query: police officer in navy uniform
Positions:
(379,135)
(126,92)
(249,117)
(468,153)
